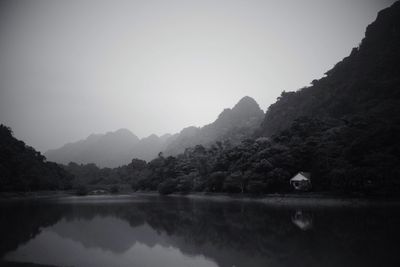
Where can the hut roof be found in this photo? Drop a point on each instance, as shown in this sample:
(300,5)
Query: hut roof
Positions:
(301,176)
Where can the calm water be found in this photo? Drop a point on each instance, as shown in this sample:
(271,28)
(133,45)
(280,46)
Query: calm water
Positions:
(162,231)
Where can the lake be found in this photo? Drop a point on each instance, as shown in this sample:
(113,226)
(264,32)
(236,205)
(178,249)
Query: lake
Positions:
(145,230)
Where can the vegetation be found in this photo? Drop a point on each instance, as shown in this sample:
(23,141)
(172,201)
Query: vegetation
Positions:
(232,124)
(114,189)
(110,150)
(247,232)
(364,84)
(343,129)
(343,156)
(24,169)
(117,148)
(82,190)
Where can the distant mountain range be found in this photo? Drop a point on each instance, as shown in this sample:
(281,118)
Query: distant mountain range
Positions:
(120,147)
(344,129)
(110,150)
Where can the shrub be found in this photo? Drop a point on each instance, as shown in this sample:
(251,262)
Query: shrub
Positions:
(114,189)
(167,187)
(82,190)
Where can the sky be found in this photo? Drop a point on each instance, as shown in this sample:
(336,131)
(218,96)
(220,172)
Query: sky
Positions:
(72,68)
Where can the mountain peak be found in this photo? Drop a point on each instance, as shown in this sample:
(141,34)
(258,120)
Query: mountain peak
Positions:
(364,83)
(123,131)
(234,124)
(119,135)
(247,105)
(246,100)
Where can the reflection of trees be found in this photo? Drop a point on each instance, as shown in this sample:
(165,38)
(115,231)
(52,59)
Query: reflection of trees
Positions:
(19,222)
(237,233)
(243,227)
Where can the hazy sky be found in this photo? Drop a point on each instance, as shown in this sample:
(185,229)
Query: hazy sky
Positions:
(72,68)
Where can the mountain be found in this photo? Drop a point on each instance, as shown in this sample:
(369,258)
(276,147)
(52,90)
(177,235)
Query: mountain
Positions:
(109,150)
(232,124)
(366,83)
(120,147)
(344,129)
(22,168)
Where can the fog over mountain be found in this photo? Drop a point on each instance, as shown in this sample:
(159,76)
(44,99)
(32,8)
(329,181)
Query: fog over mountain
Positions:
(343,129)
(109,150)
(72,68)
(232,124)
(120,147)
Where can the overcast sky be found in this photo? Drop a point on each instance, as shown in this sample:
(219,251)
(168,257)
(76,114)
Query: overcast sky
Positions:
(72,68)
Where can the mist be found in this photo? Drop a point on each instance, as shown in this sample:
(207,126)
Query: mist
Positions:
(72,68)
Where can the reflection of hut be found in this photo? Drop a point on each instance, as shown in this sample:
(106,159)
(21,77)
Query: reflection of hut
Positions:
(301,181)
(302,220)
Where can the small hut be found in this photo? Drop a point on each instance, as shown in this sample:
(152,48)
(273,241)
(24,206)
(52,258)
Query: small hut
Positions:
(301,181)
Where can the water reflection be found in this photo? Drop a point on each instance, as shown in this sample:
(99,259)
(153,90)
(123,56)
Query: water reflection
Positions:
(156,231)
(303,220)
(53,249)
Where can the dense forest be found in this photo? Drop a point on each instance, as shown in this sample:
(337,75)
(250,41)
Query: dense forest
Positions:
(343,129)
(366,83)
(22,168)
(343,156)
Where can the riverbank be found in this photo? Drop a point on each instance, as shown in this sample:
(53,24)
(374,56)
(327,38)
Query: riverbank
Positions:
(292,199)
(35,195)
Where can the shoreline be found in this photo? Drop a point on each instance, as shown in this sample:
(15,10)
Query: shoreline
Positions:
(293,200)
(290,200)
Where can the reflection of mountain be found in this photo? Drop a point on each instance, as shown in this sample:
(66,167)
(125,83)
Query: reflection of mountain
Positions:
(228,233)
(107,233)
(50,248)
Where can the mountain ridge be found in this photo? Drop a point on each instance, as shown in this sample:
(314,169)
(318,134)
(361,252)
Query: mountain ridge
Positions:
(343,129)
(117,148)
(110,149)
(372,68)
(234,124)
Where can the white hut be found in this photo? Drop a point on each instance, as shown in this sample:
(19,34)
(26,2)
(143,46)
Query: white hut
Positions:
(301,181)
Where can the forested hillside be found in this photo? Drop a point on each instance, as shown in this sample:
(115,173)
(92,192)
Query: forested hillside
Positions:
(366,83)
(233,124)
(344,129)
(22,168)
